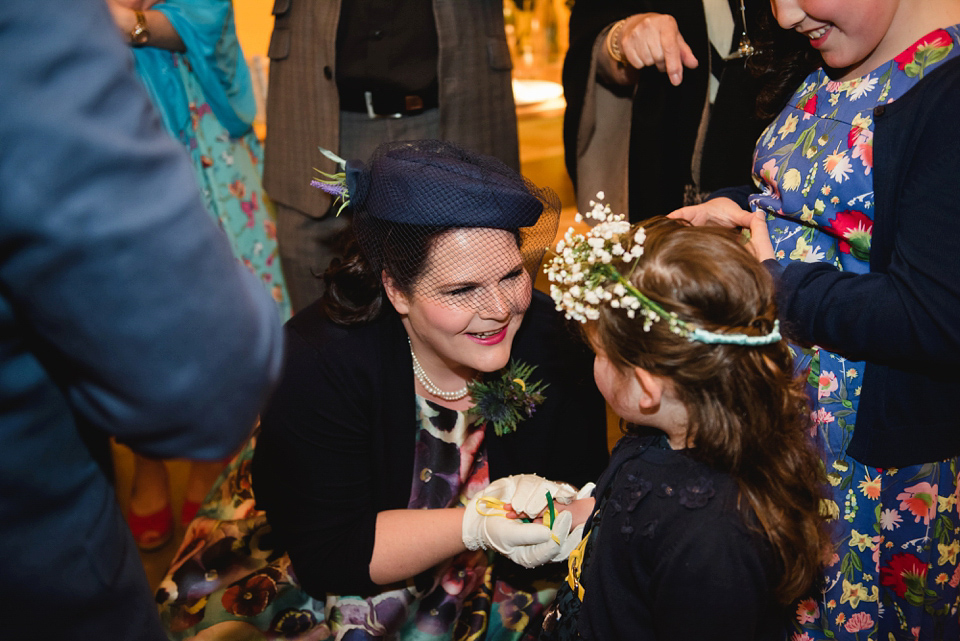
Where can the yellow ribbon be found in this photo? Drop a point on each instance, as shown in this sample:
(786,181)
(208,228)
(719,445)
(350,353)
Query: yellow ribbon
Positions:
(575,566)
(497,507)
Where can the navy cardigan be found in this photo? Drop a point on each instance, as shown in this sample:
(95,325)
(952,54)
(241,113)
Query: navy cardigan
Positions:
(903,317)
(338,436)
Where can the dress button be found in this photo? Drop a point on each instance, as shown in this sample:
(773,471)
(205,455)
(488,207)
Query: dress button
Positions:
(426,474)
(328,72)
(879,110)
(377,35)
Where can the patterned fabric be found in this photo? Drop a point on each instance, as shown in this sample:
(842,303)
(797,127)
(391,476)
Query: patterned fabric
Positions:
(229,578)
(894,574)
(205,98)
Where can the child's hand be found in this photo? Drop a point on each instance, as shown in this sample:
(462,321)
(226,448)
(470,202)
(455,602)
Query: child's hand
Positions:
(581,509)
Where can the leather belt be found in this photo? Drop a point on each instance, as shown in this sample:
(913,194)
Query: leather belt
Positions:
(388,104)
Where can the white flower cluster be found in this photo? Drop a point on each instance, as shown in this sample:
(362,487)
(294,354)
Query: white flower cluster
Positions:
(590,270)
(583,273)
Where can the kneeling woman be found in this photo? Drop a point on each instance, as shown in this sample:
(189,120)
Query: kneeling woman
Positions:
(407,390)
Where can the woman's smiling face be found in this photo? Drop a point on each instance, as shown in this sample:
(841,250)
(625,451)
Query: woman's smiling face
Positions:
(467,304)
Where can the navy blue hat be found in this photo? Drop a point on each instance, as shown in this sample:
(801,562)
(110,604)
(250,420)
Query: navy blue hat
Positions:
(415,189)
(440,184)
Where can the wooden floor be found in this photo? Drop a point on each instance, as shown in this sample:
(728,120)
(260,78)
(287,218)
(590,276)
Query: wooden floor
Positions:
(541,157)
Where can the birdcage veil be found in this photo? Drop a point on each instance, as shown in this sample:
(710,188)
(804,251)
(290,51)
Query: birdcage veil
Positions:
(448,223)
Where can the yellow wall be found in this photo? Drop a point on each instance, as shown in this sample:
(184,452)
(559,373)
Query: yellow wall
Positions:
(254,24)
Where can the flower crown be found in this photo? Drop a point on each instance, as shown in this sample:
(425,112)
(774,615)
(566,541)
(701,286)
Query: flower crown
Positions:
(583,276)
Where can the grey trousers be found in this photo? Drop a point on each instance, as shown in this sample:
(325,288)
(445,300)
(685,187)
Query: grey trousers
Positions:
(308,243)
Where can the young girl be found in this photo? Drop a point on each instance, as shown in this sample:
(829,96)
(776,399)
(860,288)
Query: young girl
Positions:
(707,519)
(858,178)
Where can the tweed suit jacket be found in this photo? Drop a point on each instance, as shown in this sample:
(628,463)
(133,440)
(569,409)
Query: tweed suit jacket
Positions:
(303,106)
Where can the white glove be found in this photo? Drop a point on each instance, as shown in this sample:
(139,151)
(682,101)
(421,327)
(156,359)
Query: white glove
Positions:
(527,493)
(528,544)
(571,542)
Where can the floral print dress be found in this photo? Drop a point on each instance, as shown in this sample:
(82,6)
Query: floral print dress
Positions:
(206,101)
(894,573)
(228,579)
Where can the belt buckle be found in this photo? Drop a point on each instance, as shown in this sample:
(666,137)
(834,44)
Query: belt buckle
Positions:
(368,100)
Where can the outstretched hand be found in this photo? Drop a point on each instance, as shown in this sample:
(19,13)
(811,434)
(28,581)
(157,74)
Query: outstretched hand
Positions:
(527,493)
(654,40)
(492,519)
(723,212)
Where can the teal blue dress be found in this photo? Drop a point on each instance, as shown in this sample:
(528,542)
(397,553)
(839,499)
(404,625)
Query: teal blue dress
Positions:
(205,98)
(894,573)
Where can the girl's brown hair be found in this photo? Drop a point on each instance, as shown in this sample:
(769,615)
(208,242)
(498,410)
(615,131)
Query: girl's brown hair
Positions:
(747,413)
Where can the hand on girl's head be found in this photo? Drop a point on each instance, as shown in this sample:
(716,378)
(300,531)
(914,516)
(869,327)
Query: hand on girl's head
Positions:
(759,244)
(721,212)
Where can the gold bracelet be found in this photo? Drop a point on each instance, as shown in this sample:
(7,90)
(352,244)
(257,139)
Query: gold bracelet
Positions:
(613,42)
(140,34)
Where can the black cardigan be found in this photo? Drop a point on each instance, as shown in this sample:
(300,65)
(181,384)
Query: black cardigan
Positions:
(338,436)
(903,317)
(670,554)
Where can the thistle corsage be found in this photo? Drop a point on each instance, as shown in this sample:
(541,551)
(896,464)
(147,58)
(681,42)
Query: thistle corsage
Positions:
(337,185)
(506,400)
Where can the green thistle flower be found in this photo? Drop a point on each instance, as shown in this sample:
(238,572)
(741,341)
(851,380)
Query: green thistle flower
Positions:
(506,400)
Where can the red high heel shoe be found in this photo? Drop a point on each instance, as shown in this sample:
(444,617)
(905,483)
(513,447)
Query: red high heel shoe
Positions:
(152,531)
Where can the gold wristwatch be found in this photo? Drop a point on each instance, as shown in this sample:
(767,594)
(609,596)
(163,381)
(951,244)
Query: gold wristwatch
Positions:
(140,33)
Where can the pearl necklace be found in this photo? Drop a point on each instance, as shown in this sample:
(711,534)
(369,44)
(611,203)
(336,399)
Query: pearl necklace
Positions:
(428,385)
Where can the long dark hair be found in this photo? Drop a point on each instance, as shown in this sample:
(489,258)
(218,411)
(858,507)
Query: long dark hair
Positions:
(354,292)
(747,414)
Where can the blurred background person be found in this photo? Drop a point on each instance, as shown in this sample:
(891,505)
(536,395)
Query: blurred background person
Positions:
(659,103)
(349,75)
(188,57)
(122,313)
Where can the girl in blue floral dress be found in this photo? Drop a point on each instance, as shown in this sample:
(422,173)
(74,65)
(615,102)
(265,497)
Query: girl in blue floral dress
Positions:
(862,243)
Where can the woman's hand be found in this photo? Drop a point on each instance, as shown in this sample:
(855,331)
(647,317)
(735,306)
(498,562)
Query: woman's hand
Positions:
(650,40)
(162,33)
(122,12)
(723,212)
(759,243)
(526,494)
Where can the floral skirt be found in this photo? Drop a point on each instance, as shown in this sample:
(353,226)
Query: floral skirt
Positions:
(229,580)
(894,574)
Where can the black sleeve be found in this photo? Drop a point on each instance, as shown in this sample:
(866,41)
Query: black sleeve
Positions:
(312,468)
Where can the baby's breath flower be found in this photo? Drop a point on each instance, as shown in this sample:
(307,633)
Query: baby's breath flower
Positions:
(583,278)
